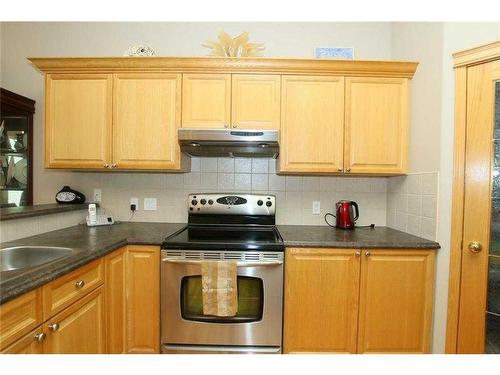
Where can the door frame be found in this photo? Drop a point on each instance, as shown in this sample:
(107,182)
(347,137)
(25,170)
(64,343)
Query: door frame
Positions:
(462,60)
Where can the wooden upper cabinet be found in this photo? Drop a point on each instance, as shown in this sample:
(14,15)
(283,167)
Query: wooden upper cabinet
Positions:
(146,116)
(396,299)
(78,113)
(206,100)
(376,125)
(312,124)
(255,101)
(321,300)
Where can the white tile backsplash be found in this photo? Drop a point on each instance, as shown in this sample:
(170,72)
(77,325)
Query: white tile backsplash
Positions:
(376,196)
(412,204)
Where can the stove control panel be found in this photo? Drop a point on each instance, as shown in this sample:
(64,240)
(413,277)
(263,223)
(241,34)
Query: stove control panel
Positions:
(231,204)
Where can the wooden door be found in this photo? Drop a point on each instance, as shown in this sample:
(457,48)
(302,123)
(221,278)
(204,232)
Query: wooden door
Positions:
(479,303)
(116,298)
(321,300)
(143,300)
(146,116)
(396,299)
(376,125)
(31,343)
(79,329)
(206,100)
(78,120)
(312,124)
(255,101)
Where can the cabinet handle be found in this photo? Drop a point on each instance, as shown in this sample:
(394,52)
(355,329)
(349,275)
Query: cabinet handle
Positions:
(348,169)
(39,337)
(54,327)
(475,247)
(367,253)
(340,169)
(79,284)
(106,165)
(226,125)
(235,126)
(113,165)
(358,253)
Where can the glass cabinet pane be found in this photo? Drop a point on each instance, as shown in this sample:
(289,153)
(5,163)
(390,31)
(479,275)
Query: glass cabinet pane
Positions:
(493,308)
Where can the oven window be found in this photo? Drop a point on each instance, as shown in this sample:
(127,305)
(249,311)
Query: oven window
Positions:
(250,301)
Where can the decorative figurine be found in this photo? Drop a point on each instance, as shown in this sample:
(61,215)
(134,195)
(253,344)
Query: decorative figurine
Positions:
(238,46)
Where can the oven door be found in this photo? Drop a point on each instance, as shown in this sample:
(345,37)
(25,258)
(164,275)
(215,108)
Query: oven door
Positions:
(258,322)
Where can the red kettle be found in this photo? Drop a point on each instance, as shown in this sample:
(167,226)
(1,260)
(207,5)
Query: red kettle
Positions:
(345,217)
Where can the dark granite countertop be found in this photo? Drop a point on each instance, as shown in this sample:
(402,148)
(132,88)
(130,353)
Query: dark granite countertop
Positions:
(378,237)
(10,213)
(92,243)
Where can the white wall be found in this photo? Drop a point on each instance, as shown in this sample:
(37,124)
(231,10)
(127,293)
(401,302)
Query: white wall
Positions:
(21,40)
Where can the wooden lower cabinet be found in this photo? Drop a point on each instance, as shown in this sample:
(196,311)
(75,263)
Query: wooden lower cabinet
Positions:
(133,300)
(79,329)
(358,301)
(321,300)
(31,343)
(396,298)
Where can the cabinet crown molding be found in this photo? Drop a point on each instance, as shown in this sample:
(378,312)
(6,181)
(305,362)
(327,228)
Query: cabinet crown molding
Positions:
(403,69)
(477,55)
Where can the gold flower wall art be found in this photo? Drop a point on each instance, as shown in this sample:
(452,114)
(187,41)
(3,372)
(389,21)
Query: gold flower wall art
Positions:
(226,46)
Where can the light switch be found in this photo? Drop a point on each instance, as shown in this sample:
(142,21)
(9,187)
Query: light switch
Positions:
(316,207)
(134,201)
(150,204)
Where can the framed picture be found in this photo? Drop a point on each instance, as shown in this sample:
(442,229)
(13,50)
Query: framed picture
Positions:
(341,53)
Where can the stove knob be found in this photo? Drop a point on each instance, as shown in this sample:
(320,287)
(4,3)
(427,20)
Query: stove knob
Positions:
(203,201)
(210,202)
(269,203)
(260,203)
(194,202)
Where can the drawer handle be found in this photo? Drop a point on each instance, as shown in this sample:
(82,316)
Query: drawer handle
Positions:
(358,253)
(39,337)
(367,254)
(54,327)
(79,284)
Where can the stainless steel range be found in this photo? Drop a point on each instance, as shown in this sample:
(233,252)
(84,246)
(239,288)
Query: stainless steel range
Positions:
(221,227)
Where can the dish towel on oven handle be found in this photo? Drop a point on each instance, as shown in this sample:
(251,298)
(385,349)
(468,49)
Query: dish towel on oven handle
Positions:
(219,288)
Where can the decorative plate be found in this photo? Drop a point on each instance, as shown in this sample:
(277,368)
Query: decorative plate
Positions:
(140,50)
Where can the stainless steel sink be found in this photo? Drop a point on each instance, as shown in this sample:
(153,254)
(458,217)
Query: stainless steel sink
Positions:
(24,257)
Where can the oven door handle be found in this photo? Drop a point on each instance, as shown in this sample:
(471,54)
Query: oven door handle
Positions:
(266,263)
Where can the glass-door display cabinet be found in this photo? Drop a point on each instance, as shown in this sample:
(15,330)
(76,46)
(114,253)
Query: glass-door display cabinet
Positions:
(16,149)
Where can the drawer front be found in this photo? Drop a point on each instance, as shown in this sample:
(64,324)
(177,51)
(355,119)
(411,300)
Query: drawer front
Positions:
(20,316)
(65,290)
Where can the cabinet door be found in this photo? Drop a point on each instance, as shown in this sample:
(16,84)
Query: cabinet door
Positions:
(146,116)
(79,329)
(31,343)
(116,288)
(143,300)
(321,300)
(312,124)
(206,100)
(396,299)
(19,316)
(376,122)
(255,101)
(78,120)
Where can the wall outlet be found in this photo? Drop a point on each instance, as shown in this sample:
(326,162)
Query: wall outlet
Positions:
(316,209)
(97,195)
(150,204)
(134,201)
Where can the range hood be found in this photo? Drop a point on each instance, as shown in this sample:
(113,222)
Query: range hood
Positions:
(229,142)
